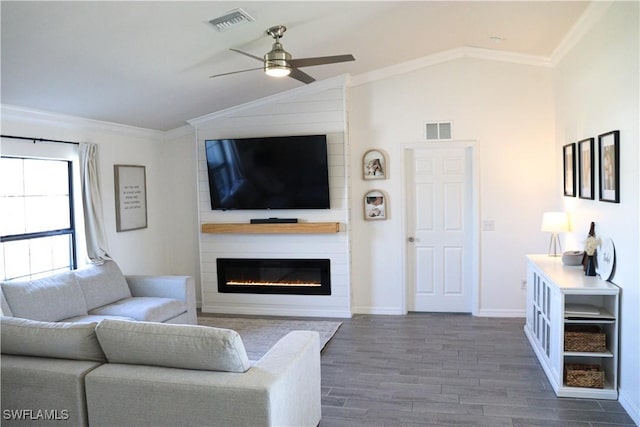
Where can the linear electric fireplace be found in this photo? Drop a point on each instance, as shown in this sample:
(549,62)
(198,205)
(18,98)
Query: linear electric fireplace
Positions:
(274,276)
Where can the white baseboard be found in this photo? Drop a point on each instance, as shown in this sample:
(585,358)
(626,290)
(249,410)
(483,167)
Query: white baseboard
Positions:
(631,407)
(393,311)
(396,311)
(502,313)
(274,311)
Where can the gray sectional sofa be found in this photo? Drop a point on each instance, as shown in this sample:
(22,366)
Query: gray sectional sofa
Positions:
(96,292)
(140,362)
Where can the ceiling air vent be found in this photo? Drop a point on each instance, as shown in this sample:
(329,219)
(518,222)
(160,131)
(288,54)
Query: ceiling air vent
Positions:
(231,19)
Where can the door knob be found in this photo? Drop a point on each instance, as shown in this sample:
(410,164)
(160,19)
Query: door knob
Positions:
(411,239)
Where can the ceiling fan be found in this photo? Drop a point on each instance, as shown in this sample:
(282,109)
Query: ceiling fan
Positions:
(278,62)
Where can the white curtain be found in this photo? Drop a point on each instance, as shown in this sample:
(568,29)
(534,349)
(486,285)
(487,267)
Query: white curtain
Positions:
(92,204)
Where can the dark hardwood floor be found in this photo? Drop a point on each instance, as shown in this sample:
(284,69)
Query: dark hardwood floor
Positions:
(445,370)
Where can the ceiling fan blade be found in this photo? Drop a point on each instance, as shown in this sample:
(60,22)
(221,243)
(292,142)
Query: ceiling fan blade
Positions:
(236,72)
(248,54)
(301,76)
(320,60)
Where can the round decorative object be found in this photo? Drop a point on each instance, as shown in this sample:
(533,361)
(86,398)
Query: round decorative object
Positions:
(606,259)
(572,258)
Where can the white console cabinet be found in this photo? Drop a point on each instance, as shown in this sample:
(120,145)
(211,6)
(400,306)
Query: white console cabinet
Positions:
(553,292)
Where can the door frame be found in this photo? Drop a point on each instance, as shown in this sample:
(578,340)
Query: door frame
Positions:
(472,149)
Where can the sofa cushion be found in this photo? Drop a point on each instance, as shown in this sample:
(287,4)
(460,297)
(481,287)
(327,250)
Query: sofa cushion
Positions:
(48,299)
(59,340)
(31,387)
(102,284)
(149,309)
(173,346)
(88,318)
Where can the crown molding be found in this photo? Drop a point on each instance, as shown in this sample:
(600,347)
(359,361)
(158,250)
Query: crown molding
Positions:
(45,118)
(592,15)
(446,56)
(180,132)
(315,87)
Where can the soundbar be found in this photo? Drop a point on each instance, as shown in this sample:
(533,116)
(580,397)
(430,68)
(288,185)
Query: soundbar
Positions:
(274,220)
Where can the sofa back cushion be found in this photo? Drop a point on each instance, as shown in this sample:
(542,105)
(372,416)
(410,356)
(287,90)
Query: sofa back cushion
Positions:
(173,346)
(102,284)
(59,340)
(48,299)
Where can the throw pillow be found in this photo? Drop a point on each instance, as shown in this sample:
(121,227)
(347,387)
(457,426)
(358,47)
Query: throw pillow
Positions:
(59,340)
(173,346)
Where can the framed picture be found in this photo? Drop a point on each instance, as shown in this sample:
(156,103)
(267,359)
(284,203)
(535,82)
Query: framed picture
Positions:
(374,165)
(586,171)
(131,197)
(609,160)
(569,163)
(375,205)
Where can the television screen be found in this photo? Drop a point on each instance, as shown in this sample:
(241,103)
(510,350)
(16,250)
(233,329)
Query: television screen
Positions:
(268,173)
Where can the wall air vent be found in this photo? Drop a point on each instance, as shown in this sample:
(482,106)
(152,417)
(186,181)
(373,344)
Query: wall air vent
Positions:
(231,19)
(438,131)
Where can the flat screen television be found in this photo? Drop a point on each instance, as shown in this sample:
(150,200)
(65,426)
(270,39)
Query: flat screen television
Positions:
(289,172)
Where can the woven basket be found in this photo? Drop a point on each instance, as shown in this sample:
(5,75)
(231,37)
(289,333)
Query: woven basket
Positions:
(584,338)
(577,375)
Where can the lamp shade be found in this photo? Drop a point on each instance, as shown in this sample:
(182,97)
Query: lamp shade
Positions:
(555,222)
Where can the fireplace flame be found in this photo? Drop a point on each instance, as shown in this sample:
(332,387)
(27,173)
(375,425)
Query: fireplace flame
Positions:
(250,283)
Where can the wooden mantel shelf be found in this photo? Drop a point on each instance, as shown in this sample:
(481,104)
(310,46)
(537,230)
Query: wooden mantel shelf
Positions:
(278,228)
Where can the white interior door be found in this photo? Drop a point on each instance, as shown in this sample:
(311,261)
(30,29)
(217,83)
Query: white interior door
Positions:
(439,218)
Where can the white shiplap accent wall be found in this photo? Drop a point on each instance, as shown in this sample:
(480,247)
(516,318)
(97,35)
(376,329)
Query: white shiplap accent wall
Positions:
(294,113)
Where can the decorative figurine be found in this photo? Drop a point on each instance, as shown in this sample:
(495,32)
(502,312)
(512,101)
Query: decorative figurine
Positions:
(590,247)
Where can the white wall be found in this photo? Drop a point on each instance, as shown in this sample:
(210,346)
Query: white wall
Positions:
(597,91)
(507,108)
(180,190)
(139,251)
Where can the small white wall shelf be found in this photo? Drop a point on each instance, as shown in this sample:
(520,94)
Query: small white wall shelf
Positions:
(551,287)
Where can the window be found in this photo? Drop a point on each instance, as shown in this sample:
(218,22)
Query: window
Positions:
(36,216)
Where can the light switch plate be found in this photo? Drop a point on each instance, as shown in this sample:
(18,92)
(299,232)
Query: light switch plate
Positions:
(488,225)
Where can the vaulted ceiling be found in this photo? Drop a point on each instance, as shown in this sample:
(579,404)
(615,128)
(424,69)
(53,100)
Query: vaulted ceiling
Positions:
(147,63)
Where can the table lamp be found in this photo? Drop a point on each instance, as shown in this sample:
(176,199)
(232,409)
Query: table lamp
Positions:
(554,223)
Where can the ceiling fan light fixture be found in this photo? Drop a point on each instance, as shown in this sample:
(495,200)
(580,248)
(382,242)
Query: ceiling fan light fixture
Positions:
(276,62)
(277,70)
